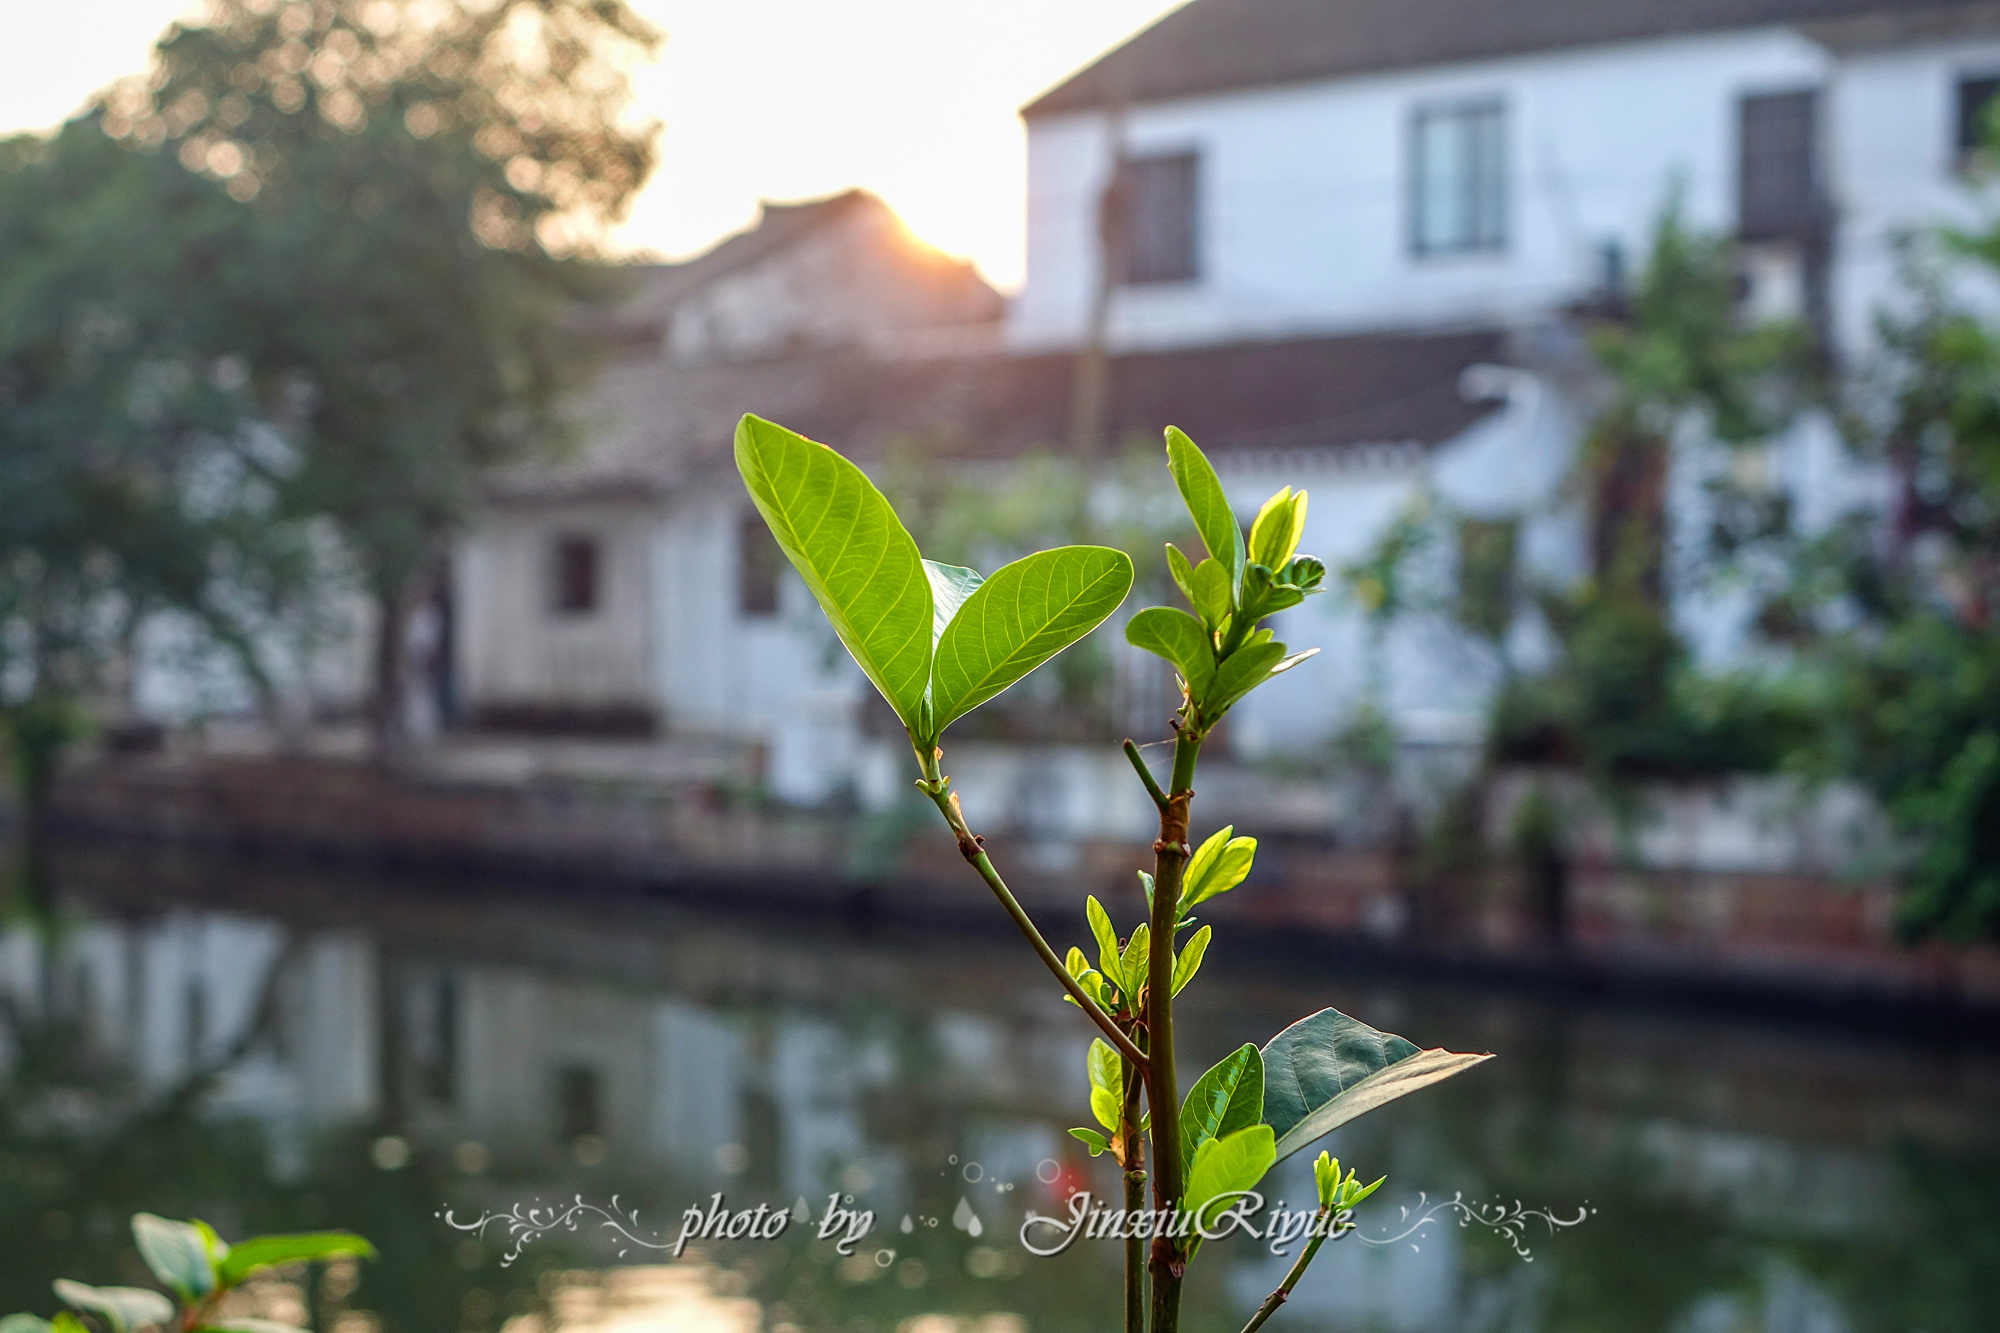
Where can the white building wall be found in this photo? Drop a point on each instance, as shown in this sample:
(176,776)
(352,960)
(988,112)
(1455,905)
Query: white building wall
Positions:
(1304,190)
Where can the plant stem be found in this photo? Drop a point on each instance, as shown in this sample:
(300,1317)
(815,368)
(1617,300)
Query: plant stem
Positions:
(970,846)
(1135,1199)
(1145,775)
(1170,857)
(1284,1291)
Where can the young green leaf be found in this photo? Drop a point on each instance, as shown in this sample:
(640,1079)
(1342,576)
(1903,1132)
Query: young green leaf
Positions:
(1274,536)
(1206,502)
(1212,596)
(1325,1070)
(1021,617)
(1183,573)
(263,1251)
(1247,668)
(178,1254)
(950,586)
(1090,1139)
(1107,1084)
(1108,955)
(1177,636)
(1218,865)
(124,1308)
(852,551)
(1224,1168)
(1189,961)
(1134,961)
(1227,1098)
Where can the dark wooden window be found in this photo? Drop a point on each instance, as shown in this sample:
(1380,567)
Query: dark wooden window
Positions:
(574,575)
(1975,99)
(758,560)
(1778,186)
(1162,203)
(1458,175)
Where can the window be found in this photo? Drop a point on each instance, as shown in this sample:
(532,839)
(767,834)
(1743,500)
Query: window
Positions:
(1975,102)
(757,562)
(1778,193)
(1458,170)
(1160,203)
(574,575)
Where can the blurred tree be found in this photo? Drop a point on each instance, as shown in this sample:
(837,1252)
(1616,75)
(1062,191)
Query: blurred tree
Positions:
(419,178)
(130,483)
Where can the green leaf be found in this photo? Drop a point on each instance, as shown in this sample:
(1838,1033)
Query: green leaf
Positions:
(123,1307)
(1021,617)
(25,1323)
(1325,1070)
(1091,1139)
(950,586)
(264,1251)
(1107,1084)
(852,551)
(1108,957)
(1177,636)
(1225,1167)
(1206,502)
(1212,597)
(65,1322)
(1133,963)
(1227,1098)
(1189,961)
(1183,574)
(1247,668)
(177,1252)
(1274,536)
(1218,865)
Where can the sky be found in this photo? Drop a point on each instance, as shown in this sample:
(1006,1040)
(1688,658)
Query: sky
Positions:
(760,99)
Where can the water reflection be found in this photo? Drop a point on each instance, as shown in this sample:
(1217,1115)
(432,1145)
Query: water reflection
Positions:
(275,1050)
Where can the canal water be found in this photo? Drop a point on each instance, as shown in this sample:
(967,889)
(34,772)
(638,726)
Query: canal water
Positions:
(516,1092)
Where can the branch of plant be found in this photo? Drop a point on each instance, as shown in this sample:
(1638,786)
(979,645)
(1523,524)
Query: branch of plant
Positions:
(973,849)
(1145,774)
(1133,1145)
(1170,858)
(1284,1289)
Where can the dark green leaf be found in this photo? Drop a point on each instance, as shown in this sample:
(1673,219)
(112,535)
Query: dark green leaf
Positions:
(1325,1070)
(177,1252)
(264,1251)
(1177,636)
(1021,617)
(1227,1098)
(1206,502)
(852,551)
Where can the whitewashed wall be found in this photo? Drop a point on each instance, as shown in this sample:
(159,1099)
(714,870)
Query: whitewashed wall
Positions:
(1304,189)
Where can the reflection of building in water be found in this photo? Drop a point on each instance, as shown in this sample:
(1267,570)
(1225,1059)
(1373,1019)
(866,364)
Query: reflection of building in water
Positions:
(774,1061)
(337,1029)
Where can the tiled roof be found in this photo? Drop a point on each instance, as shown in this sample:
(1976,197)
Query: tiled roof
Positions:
(653,425)
(1219,45)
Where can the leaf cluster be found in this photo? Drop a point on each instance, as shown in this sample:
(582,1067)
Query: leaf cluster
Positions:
(1218,650)
(198,1267)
